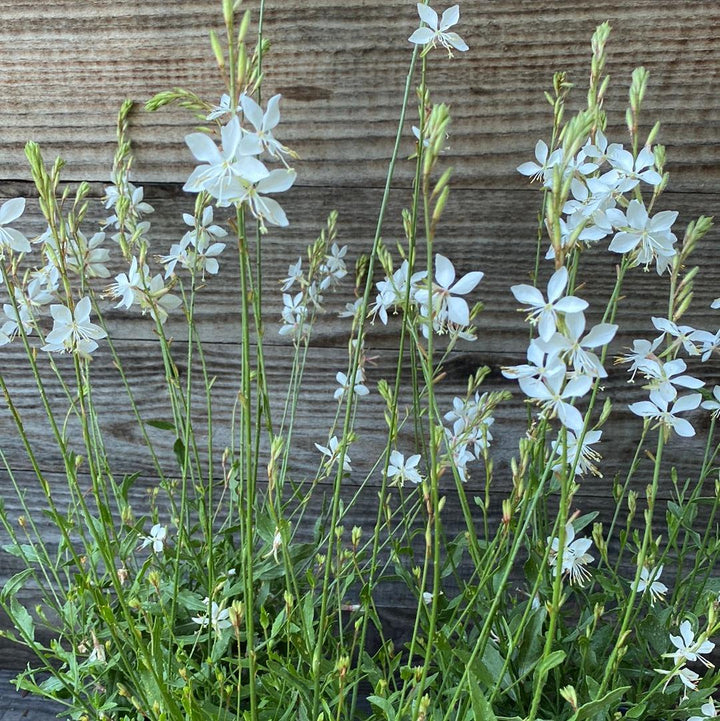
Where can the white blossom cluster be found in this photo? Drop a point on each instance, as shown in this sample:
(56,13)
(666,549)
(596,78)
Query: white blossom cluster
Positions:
(600,176)
(442,305)
(199,248)
(468,435)
(666,379)
(324,274)
(72,329)
(562,363)
(233,173)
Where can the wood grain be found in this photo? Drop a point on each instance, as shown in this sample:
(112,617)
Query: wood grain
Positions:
(341,68)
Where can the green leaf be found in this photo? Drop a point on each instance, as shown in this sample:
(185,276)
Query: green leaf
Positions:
(384,705)
(583,521)
(15,583)
(532,642)
(636,711)
(308,615)
(22,619)
(162,425)
(480,706)
(22,550)
(600,705)
(546,664)
(127,483)
(179,450)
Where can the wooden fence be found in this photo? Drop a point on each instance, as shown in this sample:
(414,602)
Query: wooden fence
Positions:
(340,67)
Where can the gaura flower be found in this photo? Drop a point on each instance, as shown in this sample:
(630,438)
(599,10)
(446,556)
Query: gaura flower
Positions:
(11,210)
(436,30)
(401,470)
(707,710)
(544,313)
(219,618)
(157,538)
(575,555)
(649,581)
(72,330)
(447,307)
(688,649)
(332,451)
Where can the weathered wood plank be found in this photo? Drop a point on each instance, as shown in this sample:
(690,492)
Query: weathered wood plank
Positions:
(492,231)
(314,416)
(341,69)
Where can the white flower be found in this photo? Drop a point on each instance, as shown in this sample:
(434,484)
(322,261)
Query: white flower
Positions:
(575,555)
(688,677)
(632,170)
(333,268)
(358,386)
(401,470)
(580,455)
(97,655)
(651,234)
(90,256)
(264,124)
(294,274)
(178,254)
(247,189)
(393,290)
(221,167)
(446,306)
(460,456)
(713,405)
(219,618)
(436,30)
(641,352)
(157,538)
(649,581)
(543,167)
(688,649)
(684,335)
(204,233)
(332,451)
(551,394)
(664,377)
(294,313)
(72,330)
(657,407)
(544,313)
(276,546)
(126,285)
(540,366)
(224,107)
(574,350)
(709,341)
(11,210)
(136,205)
(707,710)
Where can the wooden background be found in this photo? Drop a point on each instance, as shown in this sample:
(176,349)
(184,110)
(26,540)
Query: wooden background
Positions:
(340,67)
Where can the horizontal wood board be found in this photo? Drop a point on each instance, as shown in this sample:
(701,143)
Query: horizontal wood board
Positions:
(341,67)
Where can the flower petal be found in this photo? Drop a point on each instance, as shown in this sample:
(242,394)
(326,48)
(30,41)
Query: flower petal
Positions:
(450,17)
(467,282)
(11,210)
(203,148)
(428,15)
(444,271)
